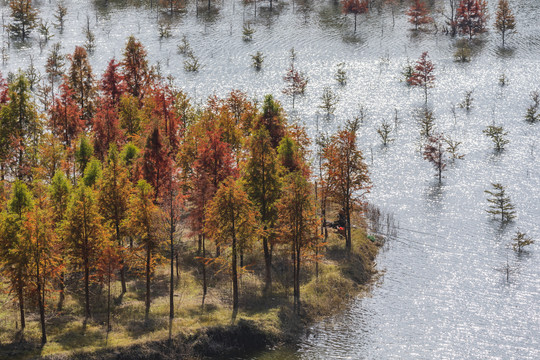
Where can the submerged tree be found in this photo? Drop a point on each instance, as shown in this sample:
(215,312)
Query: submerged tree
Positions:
(24,18)
(296,82)
(520,240)
(505,22)
(532,114)
(423,74)
(329,101)
(497,135)
(419,14)
(355,7)
(471,16)
(435,153)
(500,203)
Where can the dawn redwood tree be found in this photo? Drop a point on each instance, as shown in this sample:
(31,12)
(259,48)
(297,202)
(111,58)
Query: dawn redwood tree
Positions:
(85,236)
(24,18)
(83,153)
(135,68)
(65,118)
(155,163)
(273,119)
(297,223)
(54,67)
(230,220)
(505,21)
(355,7)
(21,127)
(130,116)
(114,192)
(419,14)
(59,194)
(423,74)
(347,174)
(112,83)
(52,156)
(296,83)
(81,81)
(40,238)
(108,264)
(288,155)
(520,240)
(164,111)
(498,136)
(435,153)
(142,223)
(471,16)
(171,202)
(106,127)
(500,203)
(207,161)
(14,252)
(262,183)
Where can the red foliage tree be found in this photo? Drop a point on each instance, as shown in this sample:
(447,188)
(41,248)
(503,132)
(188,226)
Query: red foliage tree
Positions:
(135,68)
(423,74)
(155,162)
(355,7)
(4,98)
(418,14)
(106,127)
(165,113)
(213,164)
(65,116)
(112,84)
(471,17)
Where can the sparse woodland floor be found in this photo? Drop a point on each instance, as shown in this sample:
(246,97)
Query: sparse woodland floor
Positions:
(196,332)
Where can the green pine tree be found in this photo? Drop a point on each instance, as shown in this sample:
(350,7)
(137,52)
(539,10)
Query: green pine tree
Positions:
(500,203)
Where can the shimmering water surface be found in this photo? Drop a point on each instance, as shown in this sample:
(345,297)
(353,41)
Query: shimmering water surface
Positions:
(442,294)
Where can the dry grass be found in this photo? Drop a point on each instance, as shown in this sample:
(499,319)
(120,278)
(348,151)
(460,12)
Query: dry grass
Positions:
(341,277)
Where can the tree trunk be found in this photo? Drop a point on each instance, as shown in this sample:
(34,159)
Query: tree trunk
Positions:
(355,23)
(20,295)
(86,288)
(234,272)
(147,300)
(122,267)
(201,236)
(348,242)
(298,278)
(268,268)
(109,299)
(61,296)
(171,294)
(41,306)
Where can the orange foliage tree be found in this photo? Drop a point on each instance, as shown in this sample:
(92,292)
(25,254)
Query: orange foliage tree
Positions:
(347,174)
(230,220)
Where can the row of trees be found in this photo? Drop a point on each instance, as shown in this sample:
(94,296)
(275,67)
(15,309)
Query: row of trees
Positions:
(97,185)
(467,17)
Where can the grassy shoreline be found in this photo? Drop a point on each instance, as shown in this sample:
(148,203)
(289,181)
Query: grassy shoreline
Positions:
(197,332)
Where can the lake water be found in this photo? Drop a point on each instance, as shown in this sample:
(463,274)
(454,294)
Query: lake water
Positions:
(442,293)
